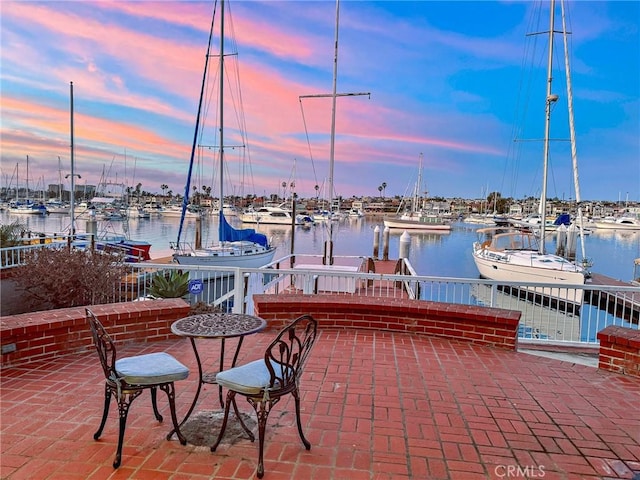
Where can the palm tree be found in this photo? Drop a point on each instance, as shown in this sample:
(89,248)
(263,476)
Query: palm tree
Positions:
(380,189)
(164,188)
(384,188)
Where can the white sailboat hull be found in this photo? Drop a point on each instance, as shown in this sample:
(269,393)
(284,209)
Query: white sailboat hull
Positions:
(232,254)
(417,224)
(27,211)
(555,273)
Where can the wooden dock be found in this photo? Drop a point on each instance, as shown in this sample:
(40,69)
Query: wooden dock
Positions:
(622,304)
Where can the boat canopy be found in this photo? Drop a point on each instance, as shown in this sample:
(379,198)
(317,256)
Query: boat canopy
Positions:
(515,241)
(563,219)
(230,234)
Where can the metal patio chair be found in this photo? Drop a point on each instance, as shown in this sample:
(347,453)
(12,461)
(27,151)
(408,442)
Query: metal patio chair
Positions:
(128,377)
(264,382)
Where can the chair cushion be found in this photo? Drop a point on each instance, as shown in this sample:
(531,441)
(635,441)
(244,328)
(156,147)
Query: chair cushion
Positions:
(248,379)
(150,369)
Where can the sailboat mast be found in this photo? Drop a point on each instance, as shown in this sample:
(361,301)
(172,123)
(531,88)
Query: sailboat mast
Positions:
(333,108)
(27,196)
(572,133)
(547,127)
(73,175)
(221,129)
(59,179)
(187,187)
(416,207)
(328,253)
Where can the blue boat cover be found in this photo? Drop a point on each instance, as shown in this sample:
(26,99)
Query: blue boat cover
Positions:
(563,219)
(229,234)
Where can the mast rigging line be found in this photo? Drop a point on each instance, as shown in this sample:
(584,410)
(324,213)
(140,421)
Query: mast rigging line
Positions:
(187,186)
(304,121)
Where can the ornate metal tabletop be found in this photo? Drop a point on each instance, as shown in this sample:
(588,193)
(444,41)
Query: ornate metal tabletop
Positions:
(218,325)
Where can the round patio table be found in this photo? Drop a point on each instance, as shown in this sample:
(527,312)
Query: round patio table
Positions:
(212,326)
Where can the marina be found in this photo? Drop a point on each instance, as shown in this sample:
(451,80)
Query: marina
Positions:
(441,254)
(445,348)
(441,262)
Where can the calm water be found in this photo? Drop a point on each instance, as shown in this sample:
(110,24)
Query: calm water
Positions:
(445,255)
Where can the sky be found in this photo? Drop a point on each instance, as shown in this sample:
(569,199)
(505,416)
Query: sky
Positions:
(460,84)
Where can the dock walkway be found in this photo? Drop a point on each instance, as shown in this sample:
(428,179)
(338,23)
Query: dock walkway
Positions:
(622,304)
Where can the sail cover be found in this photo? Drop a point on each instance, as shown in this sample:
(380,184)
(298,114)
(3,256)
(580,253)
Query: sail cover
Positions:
(230,234)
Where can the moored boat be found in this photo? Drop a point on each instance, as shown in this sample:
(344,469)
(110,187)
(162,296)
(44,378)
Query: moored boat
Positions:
(273,215)
(518,256)
(28,208)
(235,247)
(418,218)
(627,221)
(514,256)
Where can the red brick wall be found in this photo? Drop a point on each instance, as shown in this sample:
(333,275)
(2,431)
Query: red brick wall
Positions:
(43,335)
(620,350)
(489,326)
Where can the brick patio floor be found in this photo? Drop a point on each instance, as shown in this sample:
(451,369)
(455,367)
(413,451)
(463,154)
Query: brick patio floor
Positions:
(375,405)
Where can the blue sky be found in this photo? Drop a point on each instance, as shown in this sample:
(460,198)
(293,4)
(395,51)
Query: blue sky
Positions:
(446,80)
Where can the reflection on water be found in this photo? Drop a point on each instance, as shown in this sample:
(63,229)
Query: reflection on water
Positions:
(537,321)
(620,236)
(434,254)
(549,323)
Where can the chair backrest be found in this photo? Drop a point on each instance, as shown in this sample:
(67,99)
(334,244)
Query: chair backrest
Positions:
(104,345)
(287,354)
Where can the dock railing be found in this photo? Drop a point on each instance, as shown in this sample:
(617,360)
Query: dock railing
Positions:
(545,320)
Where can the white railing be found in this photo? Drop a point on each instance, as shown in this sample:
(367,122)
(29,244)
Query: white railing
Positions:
(544,319)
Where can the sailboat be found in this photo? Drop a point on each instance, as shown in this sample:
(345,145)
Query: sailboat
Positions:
(58,206)
(417,218)
(28,207)
(518,256)
(235,247)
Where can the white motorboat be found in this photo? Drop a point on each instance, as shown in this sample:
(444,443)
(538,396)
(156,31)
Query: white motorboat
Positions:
(55,206)
(627,221)
(273,215)
(136,211)
(191,211)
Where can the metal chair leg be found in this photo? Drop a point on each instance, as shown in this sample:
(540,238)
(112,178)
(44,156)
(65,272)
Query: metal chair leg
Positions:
(154,402)
(123,409)
(262,412)
(296,396)
(105,412)
(169,389)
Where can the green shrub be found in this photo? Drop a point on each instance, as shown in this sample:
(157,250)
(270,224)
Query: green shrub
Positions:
(10,234)
(172,284)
